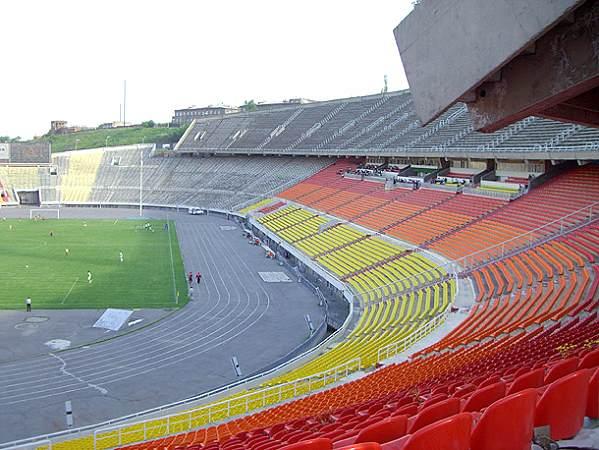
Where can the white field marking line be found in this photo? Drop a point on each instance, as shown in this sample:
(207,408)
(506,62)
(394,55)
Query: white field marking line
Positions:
(116,221)
(170,246)
(177,355)
(64,370)
(70,290)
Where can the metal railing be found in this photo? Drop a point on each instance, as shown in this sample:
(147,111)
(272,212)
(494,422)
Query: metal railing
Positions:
(106,438)
(402,345)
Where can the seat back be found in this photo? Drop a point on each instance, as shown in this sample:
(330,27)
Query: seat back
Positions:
(408,410)
(484,397)
(452,433)
(490,380)
(531,379)
(563,405)
(312,444)
(434,399)
(507,424)
(464,391)
(384,431)
(363,446)
(592,409)
(590,360)
(561,369)
(435,412)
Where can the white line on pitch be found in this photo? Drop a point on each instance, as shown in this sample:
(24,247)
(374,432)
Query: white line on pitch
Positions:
(70,290)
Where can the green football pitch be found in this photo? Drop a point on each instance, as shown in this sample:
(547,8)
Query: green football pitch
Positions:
(34,263)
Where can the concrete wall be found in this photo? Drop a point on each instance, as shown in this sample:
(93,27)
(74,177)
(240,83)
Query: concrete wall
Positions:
(448,47)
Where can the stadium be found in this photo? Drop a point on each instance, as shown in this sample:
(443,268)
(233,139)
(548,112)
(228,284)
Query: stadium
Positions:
(413,269)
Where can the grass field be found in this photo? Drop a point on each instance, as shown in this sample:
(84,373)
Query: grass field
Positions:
(33,263)
(118,136)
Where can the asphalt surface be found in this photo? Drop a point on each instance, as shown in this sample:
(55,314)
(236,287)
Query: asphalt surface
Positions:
(184,353)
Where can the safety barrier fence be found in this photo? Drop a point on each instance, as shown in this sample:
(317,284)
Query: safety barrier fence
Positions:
(115,436)
(391,350)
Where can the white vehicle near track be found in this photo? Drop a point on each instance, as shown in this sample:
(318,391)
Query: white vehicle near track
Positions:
(196,211)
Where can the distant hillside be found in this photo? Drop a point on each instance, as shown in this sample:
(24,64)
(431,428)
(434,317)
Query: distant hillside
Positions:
(118,136)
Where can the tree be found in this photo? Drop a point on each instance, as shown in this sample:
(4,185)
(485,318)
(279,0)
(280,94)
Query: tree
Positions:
(148,124)
(8,139)
(249,106)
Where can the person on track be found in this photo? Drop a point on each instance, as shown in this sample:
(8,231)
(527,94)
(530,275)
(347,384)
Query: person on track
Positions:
(28,304)
(190,277)
(198,277)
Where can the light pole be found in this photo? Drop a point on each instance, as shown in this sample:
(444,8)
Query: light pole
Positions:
(76,142)
(141,176)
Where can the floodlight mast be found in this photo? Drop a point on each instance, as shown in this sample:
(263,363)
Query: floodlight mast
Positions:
(141,176)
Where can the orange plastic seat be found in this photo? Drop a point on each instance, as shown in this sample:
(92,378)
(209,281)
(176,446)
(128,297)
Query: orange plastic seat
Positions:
(563,405)
(507,424)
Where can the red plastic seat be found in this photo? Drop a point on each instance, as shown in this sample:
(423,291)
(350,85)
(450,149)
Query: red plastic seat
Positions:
(464,391)
(384,431)
(434,399)
(408,410)
(452,433)
(561,369)
(507,424)
(484,397)
(363,446)
(312,444)
(490,380)
(590,360)
(563,405)
(433,413)
(531,379)
(592,409)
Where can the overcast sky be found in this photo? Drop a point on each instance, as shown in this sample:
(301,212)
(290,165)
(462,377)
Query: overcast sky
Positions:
(68,59)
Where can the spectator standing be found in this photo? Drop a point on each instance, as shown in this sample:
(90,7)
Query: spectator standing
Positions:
(28,304)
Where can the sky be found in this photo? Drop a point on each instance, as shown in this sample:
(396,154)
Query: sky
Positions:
(67,59)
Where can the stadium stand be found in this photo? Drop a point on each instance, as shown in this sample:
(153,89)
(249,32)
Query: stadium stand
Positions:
(220,182)
(376,122)
(533,323)
(491,378)
(79,175)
